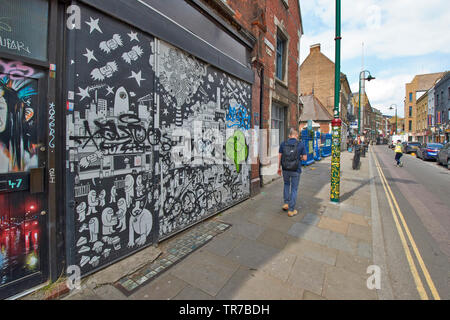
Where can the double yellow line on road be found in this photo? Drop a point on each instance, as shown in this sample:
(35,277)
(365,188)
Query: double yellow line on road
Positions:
(398,217)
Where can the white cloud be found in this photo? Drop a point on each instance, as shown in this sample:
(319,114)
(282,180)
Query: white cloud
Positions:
(388,28)
(384,92)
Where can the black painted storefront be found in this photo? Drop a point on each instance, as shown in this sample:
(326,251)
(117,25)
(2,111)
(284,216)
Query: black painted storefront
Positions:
(113,92)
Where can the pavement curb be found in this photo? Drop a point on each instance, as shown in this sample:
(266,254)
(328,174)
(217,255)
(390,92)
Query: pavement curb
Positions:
(379,256)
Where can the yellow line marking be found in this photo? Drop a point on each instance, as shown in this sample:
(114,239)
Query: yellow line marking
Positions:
(419,285)
(411,239)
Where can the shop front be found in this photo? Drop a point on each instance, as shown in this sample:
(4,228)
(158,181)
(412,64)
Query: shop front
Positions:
(117,131)
(23,145)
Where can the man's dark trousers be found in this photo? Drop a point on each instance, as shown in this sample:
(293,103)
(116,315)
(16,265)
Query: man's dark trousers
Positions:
(291,181)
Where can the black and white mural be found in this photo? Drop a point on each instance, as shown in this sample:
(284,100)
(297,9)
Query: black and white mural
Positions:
(156,139)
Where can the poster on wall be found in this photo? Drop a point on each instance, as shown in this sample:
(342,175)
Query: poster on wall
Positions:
(133,101)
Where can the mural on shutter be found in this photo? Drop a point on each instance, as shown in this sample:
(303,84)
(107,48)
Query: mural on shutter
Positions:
(133,101)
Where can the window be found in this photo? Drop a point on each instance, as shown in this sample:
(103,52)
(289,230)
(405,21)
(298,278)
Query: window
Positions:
(409,125)
(410,111)
(410,96)
(281,56)
(279,121)
(437,99)
(448,95)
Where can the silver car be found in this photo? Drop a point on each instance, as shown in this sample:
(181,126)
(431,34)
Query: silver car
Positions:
(443,156)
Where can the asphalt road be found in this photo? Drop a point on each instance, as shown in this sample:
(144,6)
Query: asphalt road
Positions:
(422,191)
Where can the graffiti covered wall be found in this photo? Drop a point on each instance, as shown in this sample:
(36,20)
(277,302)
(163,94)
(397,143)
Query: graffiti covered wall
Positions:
(134,106)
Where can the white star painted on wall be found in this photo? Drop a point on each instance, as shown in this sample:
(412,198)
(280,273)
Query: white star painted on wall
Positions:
(165,112)
(94,25)
(133,36)
(84,93)
(137,77)
(110,90)
(90,55)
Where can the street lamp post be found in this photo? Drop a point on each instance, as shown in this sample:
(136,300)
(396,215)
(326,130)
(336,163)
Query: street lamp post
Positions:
(391,108)
(361,75)
(336,123)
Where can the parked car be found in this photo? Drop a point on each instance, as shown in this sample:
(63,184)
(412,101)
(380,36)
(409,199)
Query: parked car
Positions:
(444,156)
(429,151)
(409,147)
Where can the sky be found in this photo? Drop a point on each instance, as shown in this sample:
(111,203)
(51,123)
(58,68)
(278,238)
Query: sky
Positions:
(401,38)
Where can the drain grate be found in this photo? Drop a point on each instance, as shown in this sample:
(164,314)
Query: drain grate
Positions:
(177,251)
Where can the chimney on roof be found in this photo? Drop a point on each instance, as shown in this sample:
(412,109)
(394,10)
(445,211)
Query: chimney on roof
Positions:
(314,48)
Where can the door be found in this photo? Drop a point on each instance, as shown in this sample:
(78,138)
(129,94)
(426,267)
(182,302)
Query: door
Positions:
(22,189)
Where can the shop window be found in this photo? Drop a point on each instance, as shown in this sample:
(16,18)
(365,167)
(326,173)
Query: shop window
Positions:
(279,121)
(281,56)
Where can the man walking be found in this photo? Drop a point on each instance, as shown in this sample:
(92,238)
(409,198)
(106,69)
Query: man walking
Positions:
(290,155)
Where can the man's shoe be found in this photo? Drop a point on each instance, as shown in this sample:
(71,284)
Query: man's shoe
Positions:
(292,213)
(285,207)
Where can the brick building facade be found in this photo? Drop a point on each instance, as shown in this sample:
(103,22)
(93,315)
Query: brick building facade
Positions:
(413,90)
(317,77)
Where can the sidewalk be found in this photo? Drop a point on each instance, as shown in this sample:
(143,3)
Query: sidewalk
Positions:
(322,253)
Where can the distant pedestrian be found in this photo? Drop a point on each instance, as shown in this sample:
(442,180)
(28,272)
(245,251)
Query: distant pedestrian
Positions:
(291,153)
(398,152)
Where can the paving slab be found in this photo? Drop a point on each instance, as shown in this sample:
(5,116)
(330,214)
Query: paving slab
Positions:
(355,219)
(311,250)
(351,208)
(164,287)
(310,233)
(353,263)
(360,232)
(311,219)
(280,265)
(223,244)
(252,254)
(333,225)
(365,249)
(253,285)
(308,295)
(206,271)
(191,293)
(341,284)
(246,229)
(307,274)
(109,292)
(341,242)
(274,238)
(82,294)
(333,212)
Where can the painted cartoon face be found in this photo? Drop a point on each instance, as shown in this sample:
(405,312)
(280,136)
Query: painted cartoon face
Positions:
(107,71)
(3,111)
(129,181)
(92,195)
(102,194)
(122,204)
(112,44)
(109,211)
(81,207)
(139,180)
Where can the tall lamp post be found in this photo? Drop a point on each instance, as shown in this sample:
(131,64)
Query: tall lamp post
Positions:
(391,108)
(361,78)
(336,123)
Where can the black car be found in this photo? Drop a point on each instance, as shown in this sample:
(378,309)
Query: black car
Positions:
(444,156)
(429,151)
(410,147)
